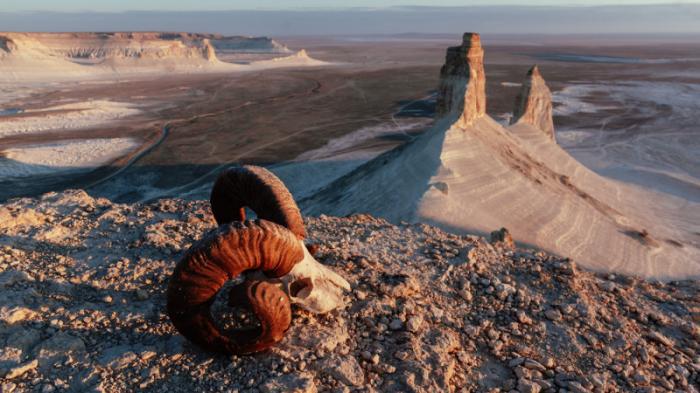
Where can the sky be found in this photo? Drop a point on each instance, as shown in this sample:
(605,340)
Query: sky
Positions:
(203,5)
(331,17)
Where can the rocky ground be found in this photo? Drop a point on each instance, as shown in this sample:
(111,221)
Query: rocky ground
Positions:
(82,303)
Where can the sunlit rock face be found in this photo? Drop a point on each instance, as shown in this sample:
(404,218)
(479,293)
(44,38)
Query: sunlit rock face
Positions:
(462,91)
(533,105)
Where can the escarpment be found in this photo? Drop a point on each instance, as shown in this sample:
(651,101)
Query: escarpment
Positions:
(462,90)
(533,105)
(70,56)
(82,47)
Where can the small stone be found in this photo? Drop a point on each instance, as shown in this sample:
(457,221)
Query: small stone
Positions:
(147,355)
(466,294)
(523,318)
(22,369)
(576,387)
(553,314)
(107,299)
(8,387)
(414,324)
(527,386)
(504,290)
(516,362)
(293,383)
(549,362)
(117,358)
(17,314)
(503,236)
(534,365)
(641,378)
(345,369)
(396,324)
(660,338)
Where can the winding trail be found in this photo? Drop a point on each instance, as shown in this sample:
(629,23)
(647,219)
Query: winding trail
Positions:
(165,130)
(195,183)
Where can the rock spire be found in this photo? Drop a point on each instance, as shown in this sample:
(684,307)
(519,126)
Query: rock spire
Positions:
(533,105)
(462,90)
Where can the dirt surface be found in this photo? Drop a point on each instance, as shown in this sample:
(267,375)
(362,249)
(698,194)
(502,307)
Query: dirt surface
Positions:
(83,309)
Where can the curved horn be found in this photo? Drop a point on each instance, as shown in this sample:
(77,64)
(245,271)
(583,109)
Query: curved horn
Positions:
(221,256)
(261,191)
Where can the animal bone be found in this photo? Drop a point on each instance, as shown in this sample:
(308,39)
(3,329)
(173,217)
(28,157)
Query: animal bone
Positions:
(314,286)
(260,190)
(310,285)
(279,268)
(223,255)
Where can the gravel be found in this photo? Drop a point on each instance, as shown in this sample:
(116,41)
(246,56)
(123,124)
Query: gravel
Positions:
(83,309)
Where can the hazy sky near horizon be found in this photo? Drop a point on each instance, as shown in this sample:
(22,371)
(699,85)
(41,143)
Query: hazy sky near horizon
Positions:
(187,5)
(533,18)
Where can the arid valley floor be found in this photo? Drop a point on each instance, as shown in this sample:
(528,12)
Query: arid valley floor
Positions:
(624,107)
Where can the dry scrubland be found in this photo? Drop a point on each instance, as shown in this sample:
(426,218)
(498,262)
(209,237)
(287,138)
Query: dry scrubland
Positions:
(83,309)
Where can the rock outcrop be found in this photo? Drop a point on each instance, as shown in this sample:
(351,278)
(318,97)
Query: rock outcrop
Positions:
(462,90)
(470,174)
(84,283)
(95,47)
(69,56)
(533,105)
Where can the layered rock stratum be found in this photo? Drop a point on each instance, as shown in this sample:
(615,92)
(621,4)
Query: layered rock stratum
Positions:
(58,56)
(469,174)
(462,90)
(84,291)
(533,105)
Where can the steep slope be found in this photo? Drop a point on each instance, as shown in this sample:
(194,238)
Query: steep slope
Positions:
(477,176)
(533,105)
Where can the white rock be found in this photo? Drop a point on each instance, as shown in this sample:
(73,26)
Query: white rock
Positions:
(117,357)
(345,369)
(17,314)
(292,383)
(20,370)
(414,323)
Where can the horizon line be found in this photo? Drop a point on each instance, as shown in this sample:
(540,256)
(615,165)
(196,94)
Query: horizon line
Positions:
(368,9)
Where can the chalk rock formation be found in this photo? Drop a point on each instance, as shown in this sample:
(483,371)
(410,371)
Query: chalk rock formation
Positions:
(66,56)
(462,88)
(93,47)
(533,105)
(470,174)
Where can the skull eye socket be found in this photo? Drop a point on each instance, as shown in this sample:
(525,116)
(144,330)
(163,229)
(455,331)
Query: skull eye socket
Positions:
(299,285)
